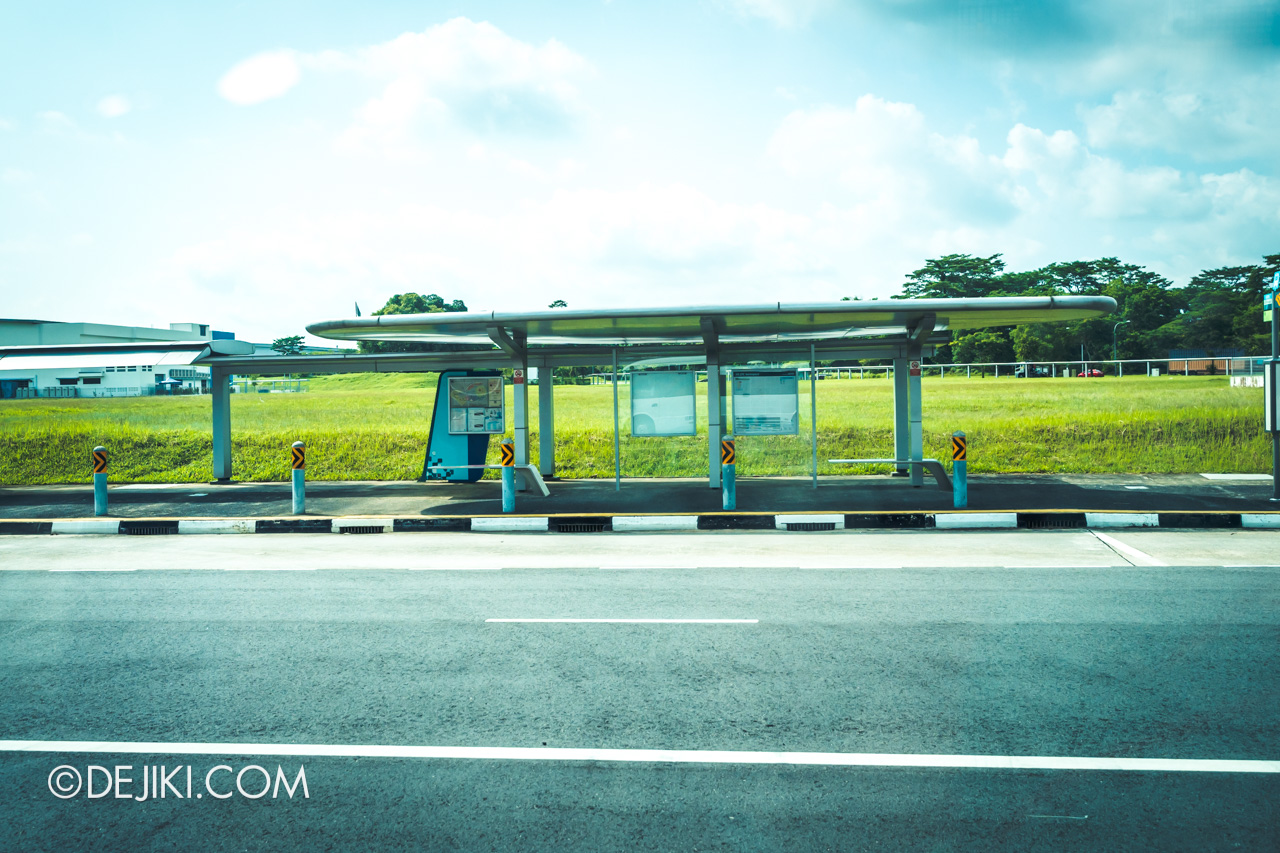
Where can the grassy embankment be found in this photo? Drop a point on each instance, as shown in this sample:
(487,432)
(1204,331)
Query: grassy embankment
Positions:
(370,427)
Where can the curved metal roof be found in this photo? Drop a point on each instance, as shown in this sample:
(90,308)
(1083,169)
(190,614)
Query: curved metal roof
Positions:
(775,320)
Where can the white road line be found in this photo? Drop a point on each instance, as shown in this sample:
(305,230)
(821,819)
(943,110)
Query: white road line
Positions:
(644,621)
(455,569)
(269,569)
(647,569)
(656,756)
(1236,476)
(93,570)
(1130,553)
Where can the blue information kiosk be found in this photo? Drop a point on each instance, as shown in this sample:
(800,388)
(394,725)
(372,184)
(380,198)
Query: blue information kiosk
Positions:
(469,407)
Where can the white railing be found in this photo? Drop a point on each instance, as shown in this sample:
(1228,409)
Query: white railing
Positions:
(1224,366)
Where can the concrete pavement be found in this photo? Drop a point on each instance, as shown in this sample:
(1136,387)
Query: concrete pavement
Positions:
(863,494)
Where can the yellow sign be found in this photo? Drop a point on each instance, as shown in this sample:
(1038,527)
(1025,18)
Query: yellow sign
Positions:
(299,458)
(508,455)
(959,448)
(727,453)
(99,461)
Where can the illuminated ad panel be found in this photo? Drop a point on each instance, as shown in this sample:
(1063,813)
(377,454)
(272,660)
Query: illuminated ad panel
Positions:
(662,403)
(476,405)
(766,402)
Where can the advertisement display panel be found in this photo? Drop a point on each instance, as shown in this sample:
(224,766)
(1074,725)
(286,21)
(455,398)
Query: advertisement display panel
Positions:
(662,402)
(766,402)
(476,405)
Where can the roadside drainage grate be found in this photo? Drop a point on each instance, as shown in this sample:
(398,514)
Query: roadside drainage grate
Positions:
(1051,520)
(811,525)
(368,528)
(148,531)
(581,527)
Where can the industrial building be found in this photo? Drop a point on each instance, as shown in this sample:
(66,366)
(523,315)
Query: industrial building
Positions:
(44,358)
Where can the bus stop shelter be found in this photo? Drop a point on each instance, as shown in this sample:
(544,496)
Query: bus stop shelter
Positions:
(901,331)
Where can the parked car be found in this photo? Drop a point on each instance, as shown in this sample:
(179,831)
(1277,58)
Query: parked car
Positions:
(1094,372)
(1025,370)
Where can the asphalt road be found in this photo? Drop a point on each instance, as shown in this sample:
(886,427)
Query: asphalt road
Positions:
(154,641)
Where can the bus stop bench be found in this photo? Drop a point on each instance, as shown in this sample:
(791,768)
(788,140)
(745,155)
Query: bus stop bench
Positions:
(530,474)
(933,466)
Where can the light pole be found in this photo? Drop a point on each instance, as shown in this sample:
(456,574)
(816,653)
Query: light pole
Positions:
(1114,356)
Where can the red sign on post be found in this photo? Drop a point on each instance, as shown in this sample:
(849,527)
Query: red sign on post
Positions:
(517,376)
(915,369)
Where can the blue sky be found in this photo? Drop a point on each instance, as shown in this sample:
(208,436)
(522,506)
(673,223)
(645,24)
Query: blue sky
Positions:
(264,166)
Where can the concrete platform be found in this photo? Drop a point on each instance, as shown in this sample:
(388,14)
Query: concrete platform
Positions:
(1019,493)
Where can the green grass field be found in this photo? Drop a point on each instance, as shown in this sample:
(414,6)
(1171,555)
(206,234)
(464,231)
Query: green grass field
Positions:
(375,427)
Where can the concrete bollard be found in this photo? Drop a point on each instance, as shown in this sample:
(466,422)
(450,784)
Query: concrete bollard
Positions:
(728,474)
(959,454)
(299,478)
(99,480)
(508,448)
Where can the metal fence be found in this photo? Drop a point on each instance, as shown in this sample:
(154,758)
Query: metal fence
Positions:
(1229,367)
(56,391)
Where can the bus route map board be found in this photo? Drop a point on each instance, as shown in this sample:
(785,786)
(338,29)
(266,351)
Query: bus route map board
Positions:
(766,402)
(476,405)
(663,402)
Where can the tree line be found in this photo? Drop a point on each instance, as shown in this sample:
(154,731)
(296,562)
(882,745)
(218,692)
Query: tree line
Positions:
(1219,311)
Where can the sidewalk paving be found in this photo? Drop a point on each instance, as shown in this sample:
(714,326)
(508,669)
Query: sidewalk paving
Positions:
(1135,493)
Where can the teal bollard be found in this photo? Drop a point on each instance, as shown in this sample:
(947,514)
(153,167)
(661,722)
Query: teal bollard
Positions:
(959,454)
(728,474)
(508,449)
(99,480)
(299,478)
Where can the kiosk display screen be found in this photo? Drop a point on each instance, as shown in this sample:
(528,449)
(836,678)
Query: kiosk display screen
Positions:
(662,402)
(766,402)
(476,405)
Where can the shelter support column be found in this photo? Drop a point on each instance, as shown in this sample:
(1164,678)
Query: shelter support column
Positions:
(715,401)
(901,444)
(513,344)
(916,338)
(520,402)
(715,429)
(546,423)
(917,420)
(220,386)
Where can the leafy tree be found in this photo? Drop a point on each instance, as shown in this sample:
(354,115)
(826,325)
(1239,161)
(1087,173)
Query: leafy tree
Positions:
(984,345)
(1040,341)
(954,276)
(291,345)
(414,303)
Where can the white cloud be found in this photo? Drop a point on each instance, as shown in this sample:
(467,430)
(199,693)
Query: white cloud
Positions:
(782,13)
(873,190)
(52,121)
(470,73)
(883,155)
(260,78)
(1211,124)
(114,106)
(889,179)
